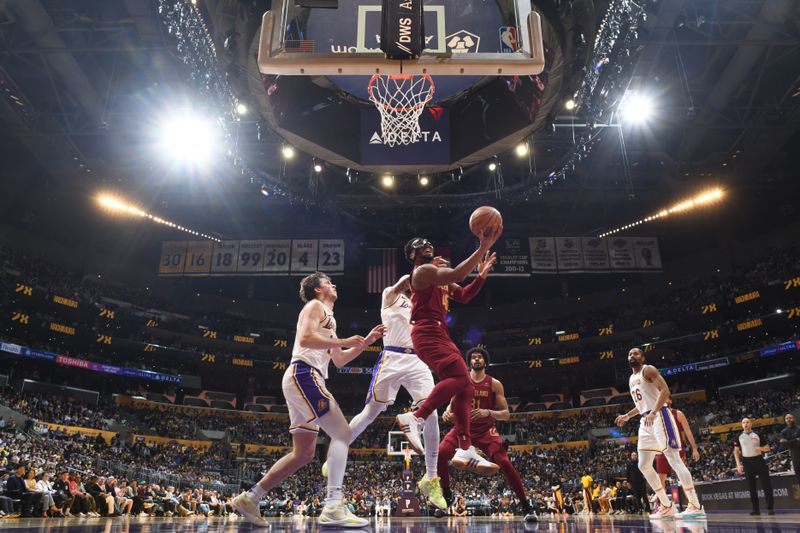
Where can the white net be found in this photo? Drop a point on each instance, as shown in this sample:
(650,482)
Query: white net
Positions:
(400,101)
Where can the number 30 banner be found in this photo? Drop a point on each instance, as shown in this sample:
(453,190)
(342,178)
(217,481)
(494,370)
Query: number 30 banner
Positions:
(251,257)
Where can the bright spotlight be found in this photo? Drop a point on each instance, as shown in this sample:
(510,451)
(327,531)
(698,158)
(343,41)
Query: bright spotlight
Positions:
(287,151)
(189,139)
(636,108)
(569,105)
(264,190)
(388,181)
(424,181)
(521,149)
(492,166)
(317,166)
(241,108)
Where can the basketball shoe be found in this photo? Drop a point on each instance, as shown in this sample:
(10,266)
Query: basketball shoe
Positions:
(410,424)
(325,469)
(248,506)
(664,513)
(340,516)
(692,513)
(433,490)
(470,459)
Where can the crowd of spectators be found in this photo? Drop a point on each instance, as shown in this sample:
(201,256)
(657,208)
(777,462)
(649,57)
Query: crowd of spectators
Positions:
(372,481)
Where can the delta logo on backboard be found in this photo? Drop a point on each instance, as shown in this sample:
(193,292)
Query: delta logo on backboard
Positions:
(432,145)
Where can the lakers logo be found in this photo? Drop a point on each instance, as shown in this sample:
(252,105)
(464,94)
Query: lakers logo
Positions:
(322,404)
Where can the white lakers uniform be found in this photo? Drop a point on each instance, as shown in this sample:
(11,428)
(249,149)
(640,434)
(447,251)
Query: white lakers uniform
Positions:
(304,381)
(398,365)
(663,433)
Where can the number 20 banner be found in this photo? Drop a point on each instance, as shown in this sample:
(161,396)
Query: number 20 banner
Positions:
(251,257)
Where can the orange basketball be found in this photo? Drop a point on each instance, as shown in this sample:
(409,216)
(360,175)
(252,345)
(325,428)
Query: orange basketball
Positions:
(484,220)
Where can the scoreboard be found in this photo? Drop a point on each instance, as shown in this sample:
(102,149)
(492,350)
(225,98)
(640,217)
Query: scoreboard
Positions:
(280,257)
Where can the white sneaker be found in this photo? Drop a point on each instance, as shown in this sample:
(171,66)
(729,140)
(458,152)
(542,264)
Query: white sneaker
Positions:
(340,516)
(410,424)
(664,513)
(248,506)
(470,459)
(692,513)
(325,469)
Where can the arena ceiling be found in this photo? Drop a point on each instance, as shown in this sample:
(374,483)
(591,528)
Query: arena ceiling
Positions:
(84,83)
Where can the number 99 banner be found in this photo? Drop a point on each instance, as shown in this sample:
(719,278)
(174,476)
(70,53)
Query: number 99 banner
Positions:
(251,257)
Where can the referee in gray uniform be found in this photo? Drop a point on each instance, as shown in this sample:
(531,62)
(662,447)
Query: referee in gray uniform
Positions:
(748,453)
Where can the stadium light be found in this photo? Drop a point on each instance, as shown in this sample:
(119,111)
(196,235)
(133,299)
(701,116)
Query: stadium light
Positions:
(388,181)
(287,151)
(424,180)
(493,164)
(241,109)
(119,206)
(569,105)
(187,138)
(636,108)
(702,199)
(521,149)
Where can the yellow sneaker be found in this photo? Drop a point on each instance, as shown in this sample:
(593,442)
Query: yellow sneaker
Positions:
(433,490)
(325,469)
(340,516)
(249,508)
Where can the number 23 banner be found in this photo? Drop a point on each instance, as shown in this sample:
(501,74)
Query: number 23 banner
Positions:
(251,257)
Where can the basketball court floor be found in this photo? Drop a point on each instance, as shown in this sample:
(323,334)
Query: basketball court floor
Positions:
(722,522)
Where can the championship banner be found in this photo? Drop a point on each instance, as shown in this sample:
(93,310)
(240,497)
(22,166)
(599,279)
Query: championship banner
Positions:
(595,254)
(513,257)
(543,255)
(620,250)
(569,254)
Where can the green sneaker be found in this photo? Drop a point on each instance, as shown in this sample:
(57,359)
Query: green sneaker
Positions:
(433,490)
(325,469)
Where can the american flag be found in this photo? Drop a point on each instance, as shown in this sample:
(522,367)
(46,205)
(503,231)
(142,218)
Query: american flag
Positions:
(381,268)
(299,46)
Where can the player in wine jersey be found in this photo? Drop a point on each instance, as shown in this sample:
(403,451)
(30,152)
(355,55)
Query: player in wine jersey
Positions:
(432,286)
(398,366)
(310,404)
(488,404)
(658,433)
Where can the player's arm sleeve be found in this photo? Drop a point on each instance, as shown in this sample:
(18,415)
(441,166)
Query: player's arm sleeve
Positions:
(464,294)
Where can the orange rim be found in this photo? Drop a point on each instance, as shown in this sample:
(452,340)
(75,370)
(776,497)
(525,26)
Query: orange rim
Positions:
(376,77)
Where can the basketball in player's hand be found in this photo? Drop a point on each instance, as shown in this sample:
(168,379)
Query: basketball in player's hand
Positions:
(484,221)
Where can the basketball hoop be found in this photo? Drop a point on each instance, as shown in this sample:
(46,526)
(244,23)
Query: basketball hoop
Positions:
(407,453)
(400,100)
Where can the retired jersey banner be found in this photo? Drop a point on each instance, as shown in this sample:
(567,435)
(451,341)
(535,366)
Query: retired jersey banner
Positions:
(647,254)
(279,257)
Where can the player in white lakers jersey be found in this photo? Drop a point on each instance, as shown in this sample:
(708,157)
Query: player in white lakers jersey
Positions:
(310,404)
(658,433)
(398,366)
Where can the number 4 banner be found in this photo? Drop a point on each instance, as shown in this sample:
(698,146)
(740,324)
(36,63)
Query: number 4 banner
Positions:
(304,256)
